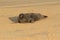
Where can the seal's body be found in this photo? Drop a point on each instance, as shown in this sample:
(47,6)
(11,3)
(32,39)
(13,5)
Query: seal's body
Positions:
(30,17)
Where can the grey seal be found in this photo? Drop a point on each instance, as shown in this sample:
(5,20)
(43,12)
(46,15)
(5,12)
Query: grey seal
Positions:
(30,17)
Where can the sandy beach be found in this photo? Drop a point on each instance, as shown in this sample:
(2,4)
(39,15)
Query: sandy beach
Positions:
(46,29)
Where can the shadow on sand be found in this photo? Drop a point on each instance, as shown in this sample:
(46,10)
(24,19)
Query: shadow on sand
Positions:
(14,19)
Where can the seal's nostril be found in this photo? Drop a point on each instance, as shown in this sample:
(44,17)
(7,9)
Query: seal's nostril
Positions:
(45,16)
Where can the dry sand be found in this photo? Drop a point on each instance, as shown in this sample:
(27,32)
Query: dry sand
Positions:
(46,29)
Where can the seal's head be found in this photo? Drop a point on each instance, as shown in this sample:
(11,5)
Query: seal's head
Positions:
(43,16)
(38,16)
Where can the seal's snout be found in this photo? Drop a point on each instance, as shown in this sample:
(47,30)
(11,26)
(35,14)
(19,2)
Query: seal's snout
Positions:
(45,16)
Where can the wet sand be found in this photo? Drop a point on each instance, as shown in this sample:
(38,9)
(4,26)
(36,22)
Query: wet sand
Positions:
(46,29)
